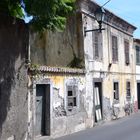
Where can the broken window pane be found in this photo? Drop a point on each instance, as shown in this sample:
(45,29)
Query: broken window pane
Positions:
(71,97)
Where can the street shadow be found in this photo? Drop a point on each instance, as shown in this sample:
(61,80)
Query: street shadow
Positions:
(12,52)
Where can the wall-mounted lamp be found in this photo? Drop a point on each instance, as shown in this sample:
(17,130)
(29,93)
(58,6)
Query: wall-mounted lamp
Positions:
(99,16)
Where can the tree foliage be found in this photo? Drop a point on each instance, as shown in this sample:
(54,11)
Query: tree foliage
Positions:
(46,14)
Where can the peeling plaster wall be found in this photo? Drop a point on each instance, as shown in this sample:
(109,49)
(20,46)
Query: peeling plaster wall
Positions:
(68,122)
(62,121)
(101,70)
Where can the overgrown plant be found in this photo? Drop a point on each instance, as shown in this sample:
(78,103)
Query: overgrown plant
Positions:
(75,63)
(46,14)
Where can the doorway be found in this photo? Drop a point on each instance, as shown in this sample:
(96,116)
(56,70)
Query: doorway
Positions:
(42,127)
(98,101)
(138,94)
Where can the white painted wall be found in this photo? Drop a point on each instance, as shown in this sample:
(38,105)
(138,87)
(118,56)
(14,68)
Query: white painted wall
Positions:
(119,71)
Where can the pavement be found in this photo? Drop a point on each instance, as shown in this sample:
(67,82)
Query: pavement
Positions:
(127,128)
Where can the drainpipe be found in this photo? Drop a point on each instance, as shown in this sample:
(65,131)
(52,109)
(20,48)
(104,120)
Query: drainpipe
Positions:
(109,53)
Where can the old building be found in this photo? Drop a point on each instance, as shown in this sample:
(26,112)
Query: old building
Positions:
(57,92)
(109,64)
(78,78)
(75,78)
(137,59)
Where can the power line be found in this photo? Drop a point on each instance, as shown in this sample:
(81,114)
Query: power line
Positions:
(105,3)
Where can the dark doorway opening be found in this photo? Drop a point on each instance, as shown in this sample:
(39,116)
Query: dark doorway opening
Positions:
(98,101)
(138,94)
(42,127)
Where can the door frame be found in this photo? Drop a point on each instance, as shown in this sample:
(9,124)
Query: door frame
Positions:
(98,80)
(138,82)
(42,81)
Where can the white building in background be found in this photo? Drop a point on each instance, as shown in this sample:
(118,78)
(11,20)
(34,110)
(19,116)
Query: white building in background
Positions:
(137,54)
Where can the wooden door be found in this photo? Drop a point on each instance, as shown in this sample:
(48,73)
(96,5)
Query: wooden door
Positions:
(138,94)
(98,101)
(42,126)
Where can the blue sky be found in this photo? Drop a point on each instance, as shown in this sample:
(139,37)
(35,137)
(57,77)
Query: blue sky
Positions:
(126,9)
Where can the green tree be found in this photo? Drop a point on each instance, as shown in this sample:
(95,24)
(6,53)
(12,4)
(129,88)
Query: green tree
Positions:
(46,14)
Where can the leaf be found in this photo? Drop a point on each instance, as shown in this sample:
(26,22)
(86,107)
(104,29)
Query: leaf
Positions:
(47,14)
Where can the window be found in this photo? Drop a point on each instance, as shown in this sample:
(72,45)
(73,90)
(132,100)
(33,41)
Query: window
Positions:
(116,91)
(97,45)
(128,89)
(126,49)
(137,55)
(114,49)
(71,97)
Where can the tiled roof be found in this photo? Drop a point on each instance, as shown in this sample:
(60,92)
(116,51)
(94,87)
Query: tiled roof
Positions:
(49,69)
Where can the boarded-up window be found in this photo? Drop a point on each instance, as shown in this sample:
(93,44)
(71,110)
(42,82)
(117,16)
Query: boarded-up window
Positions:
(126,49)
(128,89)
(116,90)
(71,97)
(114,48)
(137,55)
(97,45)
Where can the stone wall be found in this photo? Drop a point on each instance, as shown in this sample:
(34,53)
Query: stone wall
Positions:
(59,48)
(13,79)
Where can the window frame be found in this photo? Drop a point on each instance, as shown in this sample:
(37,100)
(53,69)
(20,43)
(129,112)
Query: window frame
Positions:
(127,51)
(116,97)
(73,85)
(115,48)
(97,45)
(72,97)
(128,89)
(137,55)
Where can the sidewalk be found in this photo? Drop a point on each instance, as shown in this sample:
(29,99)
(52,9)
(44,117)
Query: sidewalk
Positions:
(112,130)
(126,128)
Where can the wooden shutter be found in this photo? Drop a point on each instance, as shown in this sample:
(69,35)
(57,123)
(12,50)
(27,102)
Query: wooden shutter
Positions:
(137,55)
(96,45)
(126,45)
(114,48)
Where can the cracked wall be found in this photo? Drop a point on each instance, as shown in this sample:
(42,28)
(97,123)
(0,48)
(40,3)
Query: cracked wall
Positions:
(108,71)
(63,121)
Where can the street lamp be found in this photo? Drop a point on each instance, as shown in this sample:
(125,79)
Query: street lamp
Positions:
(99,16)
